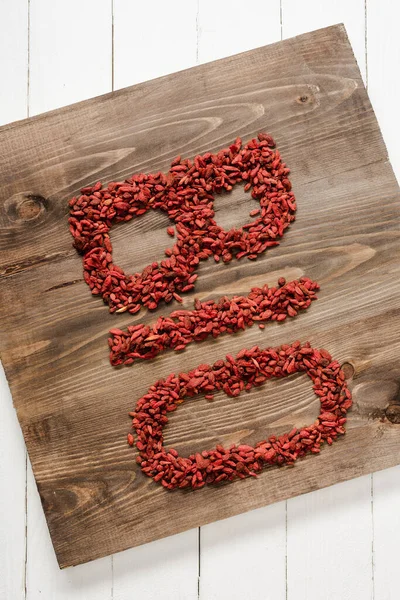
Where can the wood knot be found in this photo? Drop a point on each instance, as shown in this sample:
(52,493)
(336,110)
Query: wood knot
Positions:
(348,370)
(302,99)
(393,413)
(25,207)
(30,208)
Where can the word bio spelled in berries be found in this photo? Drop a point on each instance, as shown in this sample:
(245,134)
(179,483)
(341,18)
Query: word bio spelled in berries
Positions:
(186,194)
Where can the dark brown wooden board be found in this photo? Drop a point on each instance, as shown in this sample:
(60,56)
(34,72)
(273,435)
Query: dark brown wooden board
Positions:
(72,405)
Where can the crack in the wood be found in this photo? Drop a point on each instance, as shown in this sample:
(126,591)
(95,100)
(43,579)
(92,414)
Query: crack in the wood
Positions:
(64,284)
(12,269)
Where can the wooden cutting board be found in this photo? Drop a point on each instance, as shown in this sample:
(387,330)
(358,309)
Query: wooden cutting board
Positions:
(72,405)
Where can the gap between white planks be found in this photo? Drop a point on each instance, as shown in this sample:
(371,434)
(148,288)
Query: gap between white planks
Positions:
(340,540)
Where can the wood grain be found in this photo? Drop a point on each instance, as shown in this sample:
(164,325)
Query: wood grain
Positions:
(72,405)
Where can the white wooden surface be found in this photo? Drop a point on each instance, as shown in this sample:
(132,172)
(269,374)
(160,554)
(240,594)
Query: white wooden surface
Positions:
(337,543)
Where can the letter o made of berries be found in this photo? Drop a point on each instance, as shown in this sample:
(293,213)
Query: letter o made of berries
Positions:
(251,367)
(186,193)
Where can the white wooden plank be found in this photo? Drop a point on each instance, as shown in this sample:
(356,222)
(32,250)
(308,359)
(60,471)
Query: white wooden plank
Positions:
(383,48)
(70,52)
(165,569)
(386,519)
(231,26)
(300,17)
(383,45)
(152,38)
(70,59)
(14,60)
(44,578)
(329,543)
(244,557)
(12,499)
(13,106)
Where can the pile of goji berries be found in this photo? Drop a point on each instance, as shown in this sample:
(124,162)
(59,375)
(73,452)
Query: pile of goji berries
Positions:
(186,194)
(211,318)
(250,368)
